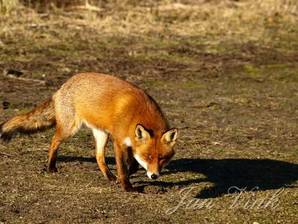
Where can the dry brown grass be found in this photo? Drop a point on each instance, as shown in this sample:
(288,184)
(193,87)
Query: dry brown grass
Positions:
(218,20)
(8,5)
(222,18)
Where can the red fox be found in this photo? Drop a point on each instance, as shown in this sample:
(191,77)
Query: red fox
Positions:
(108,106)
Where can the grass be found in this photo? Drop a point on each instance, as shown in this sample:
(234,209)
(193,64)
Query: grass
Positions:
(8,5)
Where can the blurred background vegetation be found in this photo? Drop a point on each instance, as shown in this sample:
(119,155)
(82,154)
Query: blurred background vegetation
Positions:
(9,5)
(180,16)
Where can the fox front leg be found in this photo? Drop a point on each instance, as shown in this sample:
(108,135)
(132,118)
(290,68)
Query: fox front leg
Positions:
(122,168)
(133,166)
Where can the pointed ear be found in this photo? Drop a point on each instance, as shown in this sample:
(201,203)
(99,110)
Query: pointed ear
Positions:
(141,133)
(170,136)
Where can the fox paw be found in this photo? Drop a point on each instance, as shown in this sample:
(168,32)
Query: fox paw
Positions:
(52,169)
(111,177)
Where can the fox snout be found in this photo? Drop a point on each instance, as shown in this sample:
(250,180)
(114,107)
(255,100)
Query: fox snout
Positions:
(152,176)
(152,173)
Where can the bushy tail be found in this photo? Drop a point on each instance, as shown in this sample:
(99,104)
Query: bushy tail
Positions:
(40,118)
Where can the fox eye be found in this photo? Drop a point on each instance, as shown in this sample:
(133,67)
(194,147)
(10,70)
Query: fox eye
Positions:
(162,159)
(166,157)
(149,157)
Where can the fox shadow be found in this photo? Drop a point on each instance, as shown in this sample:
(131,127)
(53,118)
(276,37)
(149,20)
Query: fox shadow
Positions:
(227,174)
(245,174)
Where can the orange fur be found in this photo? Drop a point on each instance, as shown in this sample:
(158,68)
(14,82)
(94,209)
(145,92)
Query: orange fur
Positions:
(109,106)
(42,117)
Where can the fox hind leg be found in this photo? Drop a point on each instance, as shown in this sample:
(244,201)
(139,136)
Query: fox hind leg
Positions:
(52,154)
(101,139)
(63,131)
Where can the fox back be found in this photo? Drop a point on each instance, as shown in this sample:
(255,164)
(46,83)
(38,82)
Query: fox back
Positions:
(107,103)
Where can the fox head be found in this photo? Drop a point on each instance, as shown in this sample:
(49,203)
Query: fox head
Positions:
(152,150)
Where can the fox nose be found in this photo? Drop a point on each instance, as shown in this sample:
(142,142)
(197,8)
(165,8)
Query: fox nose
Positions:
(154,176)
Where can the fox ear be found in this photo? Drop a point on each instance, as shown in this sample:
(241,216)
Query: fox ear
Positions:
(170,136)
(141,133)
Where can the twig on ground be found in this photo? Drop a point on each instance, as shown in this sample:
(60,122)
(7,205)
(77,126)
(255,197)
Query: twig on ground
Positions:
(27,79)
(5,154)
